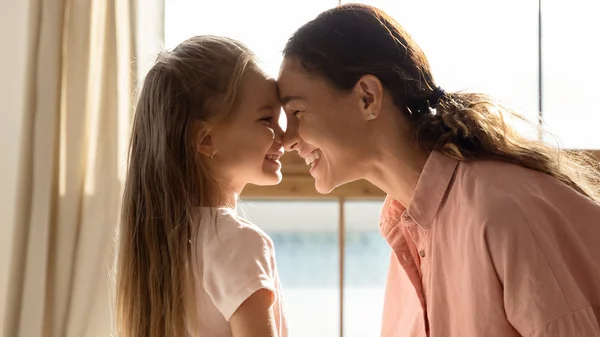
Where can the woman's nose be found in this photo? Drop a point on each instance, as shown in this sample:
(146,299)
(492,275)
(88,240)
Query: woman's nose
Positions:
(291,138)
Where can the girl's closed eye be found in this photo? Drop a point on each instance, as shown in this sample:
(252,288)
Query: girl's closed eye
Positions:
(268,120)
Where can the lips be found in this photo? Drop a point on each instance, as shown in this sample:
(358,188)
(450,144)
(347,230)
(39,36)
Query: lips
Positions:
(311,158)
(274,155)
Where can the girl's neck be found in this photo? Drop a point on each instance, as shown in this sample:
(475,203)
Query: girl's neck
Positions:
(228,200)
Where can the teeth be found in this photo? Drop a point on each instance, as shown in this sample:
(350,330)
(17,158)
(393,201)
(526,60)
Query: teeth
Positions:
(272,157)
(312,157)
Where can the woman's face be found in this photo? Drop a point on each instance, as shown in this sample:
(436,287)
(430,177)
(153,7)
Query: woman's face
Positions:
(329,129)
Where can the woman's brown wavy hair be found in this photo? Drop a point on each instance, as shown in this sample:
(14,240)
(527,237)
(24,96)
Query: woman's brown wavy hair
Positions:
(349,41)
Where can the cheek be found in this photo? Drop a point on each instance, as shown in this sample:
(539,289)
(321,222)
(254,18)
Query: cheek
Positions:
(269,135)
(258,141)
(243,144)
(313,130)
(332,135)
(333,124)
(261,138)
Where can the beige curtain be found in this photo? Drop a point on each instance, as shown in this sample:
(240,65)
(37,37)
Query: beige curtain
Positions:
(79,93)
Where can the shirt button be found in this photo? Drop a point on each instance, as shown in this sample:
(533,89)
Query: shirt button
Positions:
(422,253)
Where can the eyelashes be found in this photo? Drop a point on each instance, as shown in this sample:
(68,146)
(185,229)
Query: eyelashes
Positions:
(266,120)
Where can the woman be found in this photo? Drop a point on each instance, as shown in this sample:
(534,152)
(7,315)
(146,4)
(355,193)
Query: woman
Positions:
(492,234)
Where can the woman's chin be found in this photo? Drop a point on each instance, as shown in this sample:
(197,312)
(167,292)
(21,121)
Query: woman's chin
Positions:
(326,181)
(323,187)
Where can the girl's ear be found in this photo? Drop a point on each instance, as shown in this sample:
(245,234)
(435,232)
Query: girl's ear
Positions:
(204,142)
(206,147)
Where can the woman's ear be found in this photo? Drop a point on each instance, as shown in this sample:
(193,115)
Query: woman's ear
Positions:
(370,92)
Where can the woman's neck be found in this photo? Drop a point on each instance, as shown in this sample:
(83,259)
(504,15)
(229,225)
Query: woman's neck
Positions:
(397,165)
(398,176)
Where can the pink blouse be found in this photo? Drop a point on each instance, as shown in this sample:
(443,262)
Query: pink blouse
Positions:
(491,249)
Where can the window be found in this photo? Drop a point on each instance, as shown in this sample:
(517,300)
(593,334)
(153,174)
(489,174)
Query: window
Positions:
(481,46)
(490,46)
(263,25)
(571,71)
(306,238)
(493,47)
(366,259)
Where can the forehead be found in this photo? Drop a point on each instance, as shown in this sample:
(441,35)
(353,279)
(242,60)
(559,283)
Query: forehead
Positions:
(257,88)
(294,83)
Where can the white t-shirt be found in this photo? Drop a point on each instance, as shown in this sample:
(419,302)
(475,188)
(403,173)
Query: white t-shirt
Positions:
(235,258)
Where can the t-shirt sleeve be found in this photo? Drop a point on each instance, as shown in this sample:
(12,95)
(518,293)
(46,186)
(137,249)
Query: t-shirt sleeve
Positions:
(237,264)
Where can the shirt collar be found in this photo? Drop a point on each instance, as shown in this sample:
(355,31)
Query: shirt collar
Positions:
(432,186)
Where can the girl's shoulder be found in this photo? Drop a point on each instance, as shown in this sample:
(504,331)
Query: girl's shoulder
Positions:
(225,226)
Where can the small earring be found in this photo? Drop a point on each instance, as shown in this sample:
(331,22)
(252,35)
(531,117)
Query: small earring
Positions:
(212,156)
(372,116)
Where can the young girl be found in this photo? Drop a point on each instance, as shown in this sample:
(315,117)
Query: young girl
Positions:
(207,124)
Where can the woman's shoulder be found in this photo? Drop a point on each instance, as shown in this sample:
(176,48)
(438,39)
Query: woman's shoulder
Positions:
(499,189)
(502,179)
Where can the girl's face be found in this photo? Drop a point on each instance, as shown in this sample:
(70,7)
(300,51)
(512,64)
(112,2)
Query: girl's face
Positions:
(248,145)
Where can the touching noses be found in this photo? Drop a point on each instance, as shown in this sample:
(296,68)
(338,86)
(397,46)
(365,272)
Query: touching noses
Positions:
(290,138)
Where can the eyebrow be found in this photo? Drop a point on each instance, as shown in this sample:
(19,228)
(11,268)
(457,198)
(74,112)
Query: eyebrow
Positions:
(266,107)
(285,100)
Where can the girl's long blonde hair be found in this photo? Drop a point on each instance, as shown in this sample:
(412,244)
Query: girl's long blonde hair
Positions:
(187,91)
